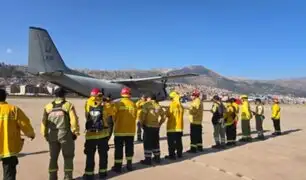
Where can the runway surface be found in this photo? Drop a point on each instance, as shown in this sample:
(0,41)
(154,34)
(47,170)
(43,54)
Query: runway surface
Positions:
(277,158)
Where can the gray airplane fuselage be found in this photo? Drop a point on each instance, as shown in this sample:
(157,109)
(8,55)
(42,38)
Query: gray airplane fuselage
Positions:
(82,85)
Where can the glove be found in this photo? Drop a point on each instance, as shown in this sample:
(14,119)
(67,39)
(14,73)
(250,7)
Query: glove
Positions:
(74,137)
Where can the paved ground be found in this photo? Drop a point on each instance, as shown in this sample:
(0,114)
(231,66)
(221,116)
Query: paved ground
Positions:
(277,158)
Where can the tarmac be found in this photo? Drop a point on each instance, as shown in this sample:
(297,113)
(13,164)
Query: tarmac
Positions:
(276,158)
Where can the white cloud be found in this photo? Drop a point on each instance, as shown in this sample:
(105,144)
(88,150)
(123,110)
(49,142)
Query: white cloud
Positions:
(9,51)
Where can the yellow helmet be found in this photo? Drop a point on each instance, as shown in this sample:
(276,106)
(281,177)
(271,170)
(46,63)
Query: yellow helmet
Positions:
(244,96)
(173,94)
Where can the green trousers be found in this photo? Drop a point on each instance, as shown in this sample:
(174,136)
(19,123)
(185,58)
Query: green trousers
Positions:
(246,129)
(67,147)
(219,133)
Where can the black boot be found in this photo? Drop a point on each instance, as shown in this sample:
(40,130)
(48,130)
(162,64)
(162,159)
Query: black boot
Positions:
(200,148)
(216,146)
(139,138)
(102,175)
(147,161)
(249,139)
(192,150)
(88,177)
(117,168)
(157,159)
(171,157)
(129,165)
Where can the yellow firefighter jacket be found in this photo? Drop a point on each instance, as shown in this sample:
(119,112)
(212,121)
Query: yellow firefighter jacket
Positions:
(152,114)
(230,114)
(196,112)
(12,121)
(70,122)
(245,111)
(276,111)
(95,102)
(109,108)
(236,106)
(125,117)
(139,105)
(175,114)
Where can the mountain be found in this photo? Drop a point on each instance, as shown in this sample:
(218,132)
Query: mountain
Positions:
(296,87)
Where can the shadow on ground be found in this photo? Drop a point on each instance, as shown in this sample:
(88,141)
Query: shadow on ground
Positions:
(160,139)
(31,153)
(253,132)
(187,156)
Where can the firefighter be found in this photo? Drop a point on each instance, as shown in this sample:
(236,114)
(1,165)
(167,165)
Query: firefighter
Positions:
(196,117)
(276,117)
(152,116)
(218,110)
(12,121)
(259,117)
(60,127)
(109,108)
(234,102)
(229,119)
(96,136)
(245,116)
(175,125)
(139,105)
(124,130)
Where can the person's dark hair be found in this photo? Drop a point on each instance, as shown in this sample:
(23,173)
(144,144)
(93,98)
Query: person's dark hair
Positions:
(3,95)
(232,100)
(216,97)
(60,92)
(258,100)
(151,95)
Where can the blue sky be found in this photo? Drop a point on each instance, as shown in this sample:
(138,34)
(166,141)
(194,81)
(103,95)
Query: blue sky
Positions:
(261,39)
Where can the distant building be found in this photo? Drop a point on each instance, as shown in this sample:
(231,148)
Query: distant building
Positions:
(28,89)
(12,89)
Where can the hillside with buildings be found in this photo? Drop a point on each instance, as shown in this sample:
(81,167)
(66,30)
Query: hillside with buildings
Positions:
(208,82)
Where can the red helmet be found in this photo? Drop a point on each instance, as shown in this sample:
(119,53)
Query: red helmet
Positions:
(95,92)
(126,92)
(196,93)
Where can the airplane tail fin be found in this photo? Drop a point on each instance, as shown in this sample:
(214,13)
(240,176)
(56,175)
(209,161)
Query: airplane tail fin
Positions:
(43,55)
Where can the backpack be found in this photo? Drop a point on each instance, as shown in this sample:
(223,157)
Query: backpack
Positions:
(58,122)
(221,110)
(94,121)
(57,113)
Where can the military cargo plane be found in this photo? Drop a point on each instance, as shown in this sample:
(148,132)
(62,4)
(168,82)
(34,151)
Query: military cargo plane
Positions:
(46,62)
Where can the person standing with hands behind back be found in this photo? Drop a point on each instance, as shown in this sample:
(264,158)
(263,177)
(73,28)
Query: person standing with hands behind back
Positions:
(175,126)
(60,127)
(12,121)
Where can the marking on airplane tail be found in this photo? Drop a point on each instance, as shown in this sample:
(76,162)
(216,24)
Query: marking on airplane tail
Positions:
(239,175)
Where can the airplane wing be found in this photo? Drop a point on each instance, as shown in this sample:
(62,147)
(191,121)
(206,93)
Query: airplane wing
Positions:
(123,81)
